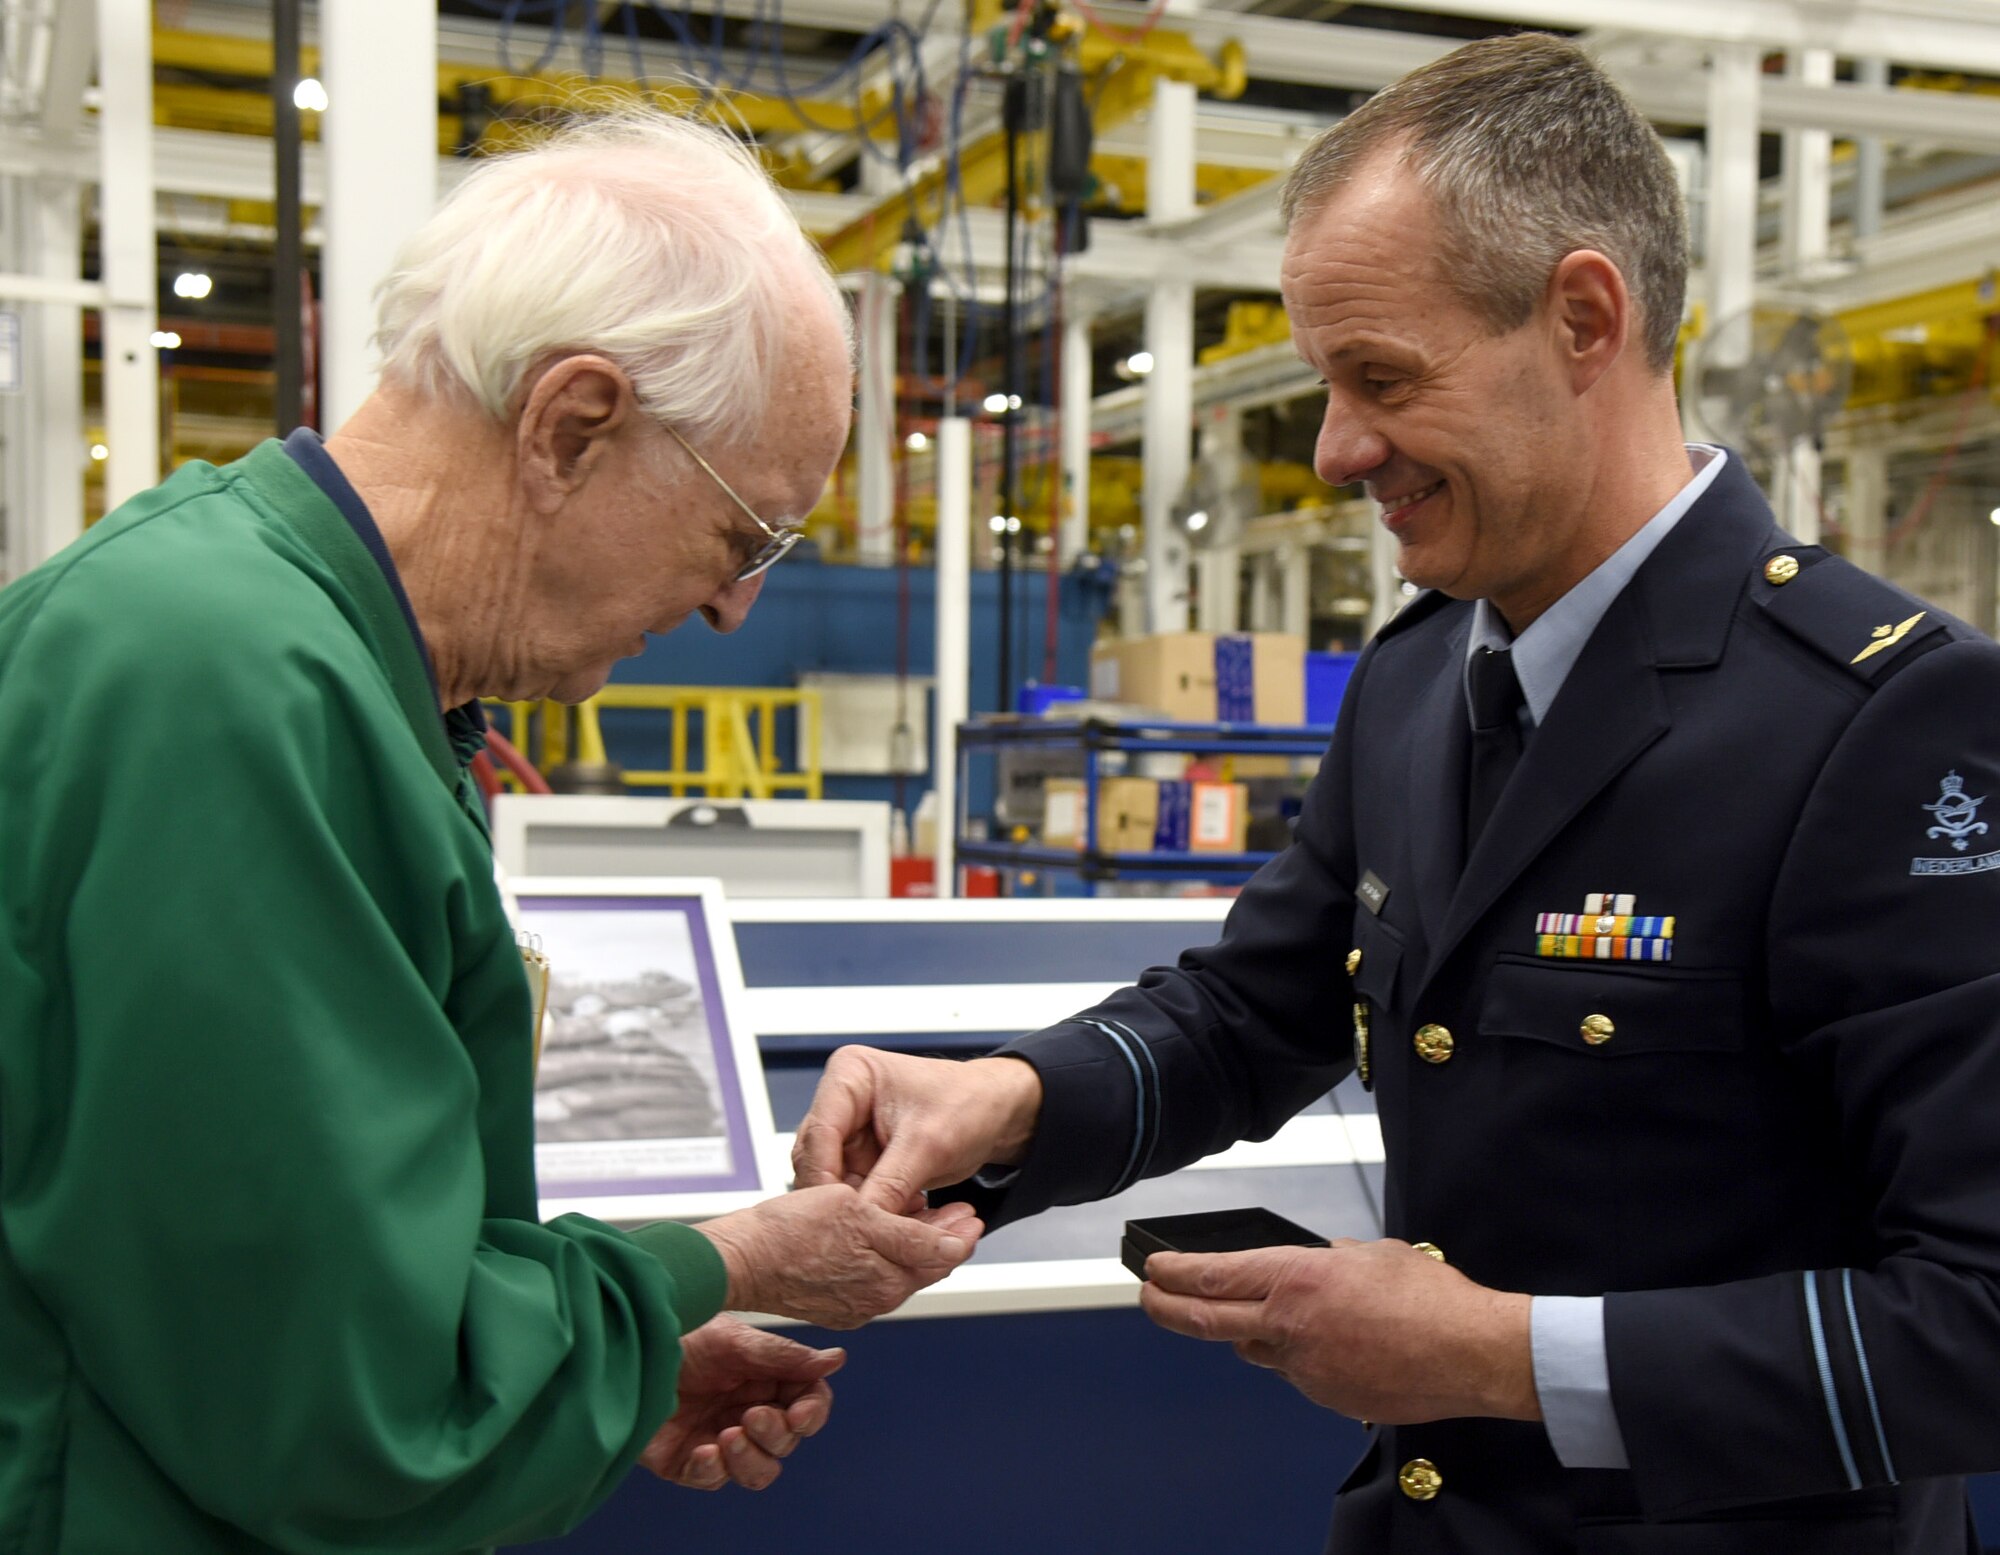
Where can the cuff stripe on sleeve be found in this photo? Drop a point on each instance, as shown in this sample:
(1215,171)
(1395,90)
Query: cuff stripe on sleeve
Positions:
(1826,1381)
(1867,1377)
(1130,1173)
(1159,1097)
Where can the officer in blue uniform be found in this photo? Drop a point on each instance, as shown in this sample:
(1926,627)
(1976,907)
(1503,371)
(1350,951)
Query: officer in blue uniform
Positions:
(1648,881)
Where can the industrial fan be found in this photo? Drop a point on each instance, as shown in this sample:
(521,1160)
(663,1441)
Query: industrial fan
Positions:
(1764,378)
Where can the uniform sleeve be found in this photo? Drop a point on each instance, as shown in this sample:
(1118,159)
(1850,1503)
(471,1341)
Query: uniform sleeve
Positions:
(1227,1045)
(250,1185)
(1885,985)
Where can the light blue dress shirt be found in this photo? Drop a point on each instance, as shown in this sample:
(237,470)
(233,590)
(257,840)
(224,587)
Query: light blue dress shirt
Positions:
(1566,1333)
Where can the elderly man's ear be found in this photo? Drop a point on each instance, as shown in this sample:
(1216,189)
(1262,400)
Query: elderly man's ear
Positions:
(572,412)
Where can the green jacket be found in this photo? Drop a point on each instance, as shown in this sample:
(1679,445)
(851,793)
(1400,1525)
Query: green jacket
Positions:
(270,1270)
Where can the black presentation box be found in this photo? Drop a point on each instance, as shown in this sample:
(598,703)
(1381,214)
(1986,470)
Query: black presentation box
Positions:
(1214,1231)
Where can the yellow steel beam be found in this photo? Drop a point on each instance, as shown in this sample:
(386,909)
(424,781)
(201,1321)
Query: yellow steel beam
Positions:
(248,111)
(1126,75)
(1122,180)
(1249,326)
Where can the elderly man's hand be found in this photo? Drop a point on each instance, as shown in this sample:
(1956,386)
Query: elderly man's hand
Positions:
(746,1399)
(893,1125)
(1376,1330)
(827,1256)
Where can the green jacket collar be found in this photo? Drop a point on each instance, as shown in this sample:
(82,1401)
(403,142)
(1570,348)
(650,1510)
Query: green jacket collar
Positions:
(291,497)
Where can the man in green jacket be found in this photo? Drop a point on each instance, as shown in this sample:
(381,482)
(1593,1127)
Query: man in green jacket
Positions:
(271,1275)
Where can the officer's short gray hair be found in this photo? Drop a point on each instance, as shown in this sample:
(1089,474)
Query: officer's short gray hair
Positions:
(1530,152)
(656,241)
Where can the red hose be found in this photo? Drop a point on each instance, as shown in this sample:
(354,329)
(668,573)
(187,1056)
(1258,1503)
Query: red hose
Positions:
(516,763)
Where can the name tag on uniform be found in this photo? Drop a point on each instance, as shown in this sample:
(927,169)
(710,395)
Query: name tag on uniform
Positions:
(1372,893)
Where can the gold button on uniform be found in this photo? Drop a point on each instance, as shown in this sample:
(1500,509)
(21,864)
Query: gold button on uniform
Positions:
(1434,1044)
(1597,1029)
(1430,1250)
(1781,569)
(1353,962)
(1420,1480)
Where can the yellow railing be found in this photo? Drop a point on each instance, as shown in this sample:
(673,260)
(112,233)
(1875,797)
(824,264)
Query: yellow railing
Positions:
(734,728)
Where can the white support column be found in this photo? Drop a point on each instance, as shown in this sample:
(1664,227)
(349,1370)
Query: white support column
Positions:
(1731,247)
(129,246)
(1870,156)
(1218,558)
(1730,236)
(20,435)
(954,633)
(875,424)
(1074,539)
(1865,510)
(1266,600)
(1806,221)
(1385,593)
(1296,585)
(379,131)
(56,517)
(1170,338)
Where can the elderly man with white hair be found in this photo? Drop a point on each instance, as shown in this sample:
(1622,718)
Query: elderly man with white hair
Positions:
(271,1274)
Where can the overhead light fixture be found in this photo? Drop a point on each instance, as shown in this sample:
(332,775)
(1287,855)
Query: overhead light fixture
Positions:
(193,284)
(1013,526)
(997,524)
(916,442)
(99,452)
(165,340)
(1139,363)
(995,403)
(1197,521)
(309,96)
(1995,515)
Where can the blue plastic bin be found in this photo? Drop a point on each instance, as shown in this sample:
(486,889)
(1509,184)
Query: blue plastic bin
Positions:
(1326,683)
(1034,700)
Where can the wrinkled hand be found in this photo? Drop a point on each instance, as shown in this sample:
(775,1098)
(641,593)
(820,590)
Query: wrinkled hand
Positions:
(826,1256)
(746,1399)
(1375,1330)
(892,1125)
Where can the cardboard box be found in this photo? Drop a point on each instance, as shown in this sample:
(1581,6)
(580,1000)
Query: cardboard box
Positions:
(1218,818)
(1062,813)
(1203,677)
(1128,814)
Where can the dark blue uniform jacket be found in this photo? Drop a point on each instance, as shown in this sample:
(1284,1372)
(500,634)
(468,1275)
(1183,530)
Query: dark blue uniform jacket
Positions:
(1782,1166)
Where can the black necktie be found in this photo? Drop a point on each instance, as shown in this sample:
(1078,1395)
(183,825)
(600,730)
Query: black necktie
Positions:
(1496,737)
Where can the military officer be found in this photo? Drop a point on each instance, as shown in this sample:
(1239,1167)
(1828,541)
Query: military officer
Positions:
(1646,877)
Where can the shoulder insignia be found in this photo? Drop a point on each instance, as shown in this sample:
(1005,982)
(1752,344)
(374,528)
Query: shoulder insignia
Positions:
(1863,623)
(1886,637)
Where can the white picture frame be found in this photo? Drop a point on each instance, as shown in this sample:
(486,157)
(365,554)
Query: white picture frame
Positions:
(661,1021)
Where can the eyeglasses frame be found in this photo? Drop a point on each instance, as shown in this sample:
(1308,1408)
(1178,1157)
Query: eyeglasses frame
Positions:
(777,541)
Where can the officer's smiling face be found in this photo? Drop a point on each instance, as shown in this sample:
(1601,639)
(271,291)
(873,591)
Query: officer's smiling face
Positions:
(1465,437)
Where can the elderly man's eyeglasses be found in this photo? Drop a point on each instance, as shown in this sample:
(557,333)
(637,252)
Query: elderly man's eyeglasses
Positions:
(777,540)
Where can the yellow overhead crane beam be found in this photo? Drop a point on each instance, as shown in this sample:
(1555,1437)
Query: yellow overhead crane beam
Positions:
(1126,72)
(1122,180)
(248,112)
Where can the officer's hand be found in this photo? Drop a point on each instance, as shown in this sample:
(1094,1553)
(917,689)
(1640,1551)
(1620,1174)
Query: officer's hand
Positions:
(826,1256)
(747,1397)
(892,1125)
(1376,1330)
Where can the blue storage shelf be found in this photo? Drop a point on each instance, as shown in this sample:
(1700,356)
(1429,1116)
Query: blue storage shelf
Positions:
(1094,738)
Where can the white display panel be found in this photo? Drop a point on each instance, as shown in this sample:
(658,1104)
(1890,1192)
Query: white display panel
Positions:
(786,848)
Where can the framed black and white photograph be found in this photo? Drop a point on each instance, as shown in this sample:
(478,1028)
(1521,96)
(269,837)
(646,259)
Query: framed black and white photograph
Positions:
(649,1095)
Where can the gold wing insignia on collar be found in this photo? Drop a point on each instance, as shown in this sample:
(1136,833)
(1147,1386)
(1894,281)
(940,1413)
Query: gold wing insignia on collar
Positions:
(1888,637)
